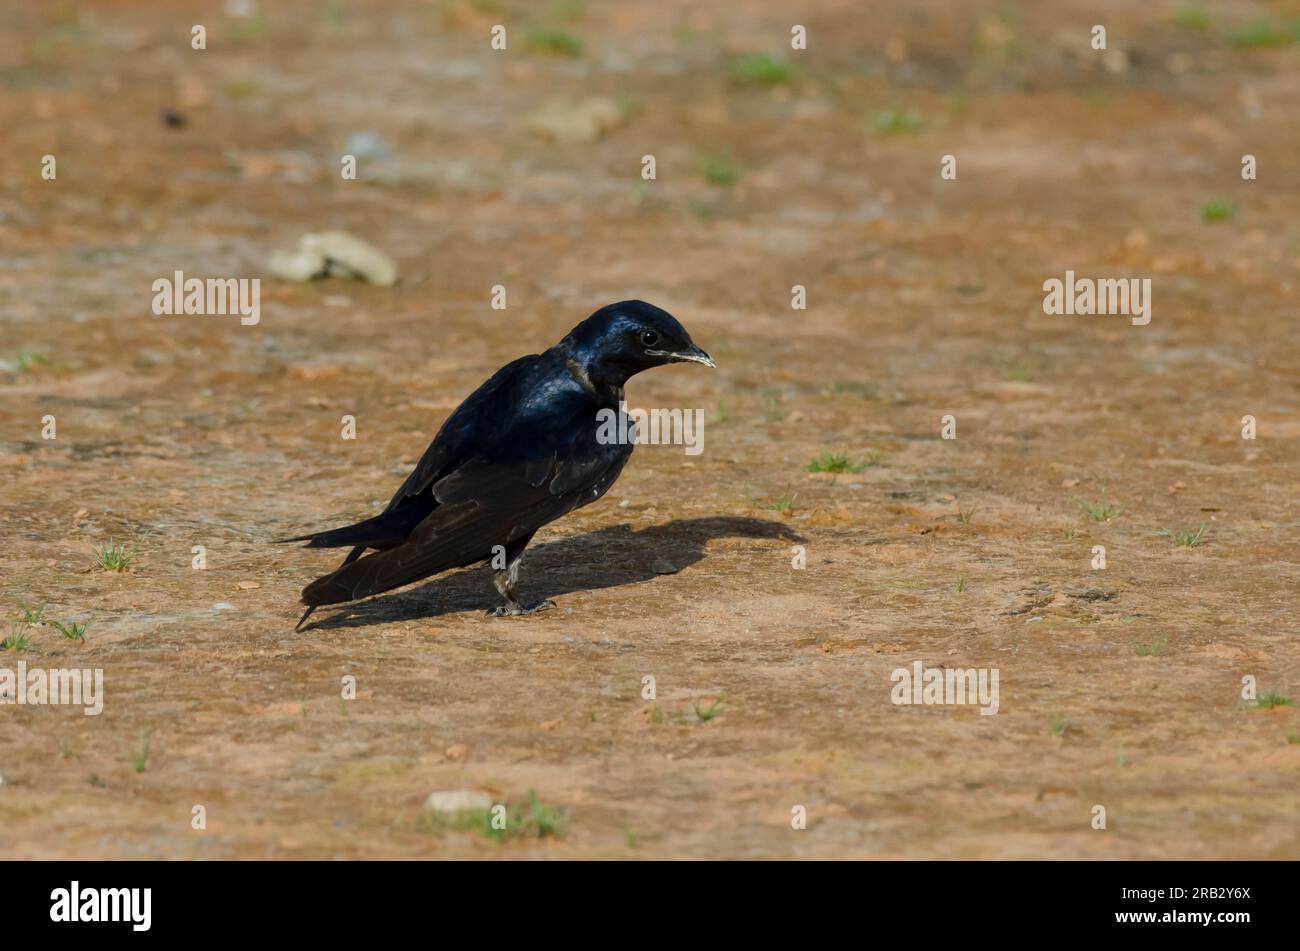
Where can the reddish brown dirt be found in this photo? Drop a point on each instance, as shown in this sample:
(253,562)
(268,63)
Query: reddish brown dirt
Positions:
(1120,687)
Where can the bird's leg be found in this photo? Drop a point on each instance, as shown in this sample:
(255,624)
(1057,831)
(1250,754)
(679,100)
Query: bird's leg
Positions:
(507,579)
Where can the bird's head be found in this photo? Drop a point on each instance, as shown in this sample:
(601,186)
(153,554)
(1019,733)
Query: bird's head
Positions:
(625,338)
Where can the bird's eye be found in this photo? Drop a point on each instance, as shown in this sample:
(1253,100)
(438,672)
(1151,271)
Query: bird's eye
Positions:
(649,338)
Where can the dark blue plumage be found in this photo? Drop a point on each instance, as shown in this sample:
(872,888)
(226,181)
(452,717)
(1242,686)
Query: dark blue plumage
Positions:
(521,451)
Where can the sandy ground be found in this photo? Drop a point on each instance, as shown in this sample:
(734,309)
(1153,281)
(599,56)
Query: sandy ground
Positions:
(1119,687)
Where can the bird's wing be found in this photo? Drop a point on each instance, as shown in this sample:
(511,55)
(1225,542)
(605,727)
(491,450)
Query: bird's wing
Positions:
(481,503)
(473,424)
(463,429)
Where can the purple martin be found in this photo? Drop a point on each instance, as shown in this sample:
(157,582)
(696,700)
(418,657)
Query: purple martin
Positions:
(523,450)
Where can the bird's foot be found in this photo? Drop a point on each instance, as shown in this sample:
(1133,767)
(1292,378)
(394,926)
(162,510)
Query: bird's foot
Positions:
(515,609)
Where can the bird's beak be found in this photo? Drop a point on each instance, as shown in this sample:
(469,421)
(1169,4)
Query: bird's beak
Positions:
(693,355)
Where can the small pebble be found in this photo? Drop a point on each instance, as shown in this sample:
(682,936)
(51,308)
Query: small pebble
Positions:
(451,801)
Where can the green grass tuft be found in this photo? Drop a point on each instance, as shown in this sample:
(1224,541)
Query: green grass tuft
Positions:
(1102,511)
(760,69)
(1258,34)
(250,29)
(705,714)
(1193,16)
(1019,368)
(554,42)
(897,121)
(1268,701)
(114,557)
(139,756)
(1218,210)
(840,462)
(785,503)
(1187,537)
(18,639)
(721,171)
(545,820)
(72,630)
(24,361)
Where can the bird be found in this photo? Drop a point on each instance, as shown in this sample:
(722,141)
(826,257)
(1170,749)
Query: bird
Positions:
(524,449)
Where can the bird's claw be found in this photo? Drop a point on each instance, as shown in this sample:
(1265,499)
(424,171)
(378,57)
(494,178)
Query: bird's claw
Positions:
(515,609)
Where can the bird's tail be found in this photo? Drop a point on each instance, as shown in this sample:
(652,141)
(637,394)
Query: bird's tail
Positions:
(458,542)
(353,555)
(382,531)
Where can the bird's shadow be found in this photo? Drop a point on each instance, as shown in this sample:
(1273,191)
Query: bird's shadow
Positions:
(606,558)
